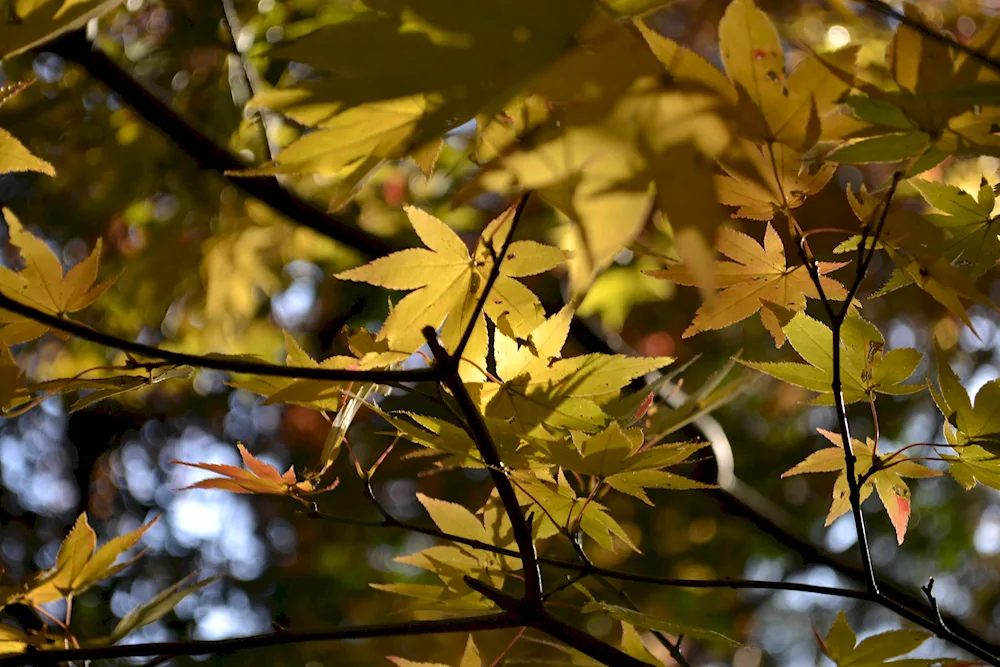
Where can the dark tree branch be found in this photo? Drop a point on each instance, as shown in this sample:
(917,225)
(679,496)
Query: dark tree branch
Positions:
(74,47)
(219,363)
(409,629)
(537,617)
(893,13)
(491,457)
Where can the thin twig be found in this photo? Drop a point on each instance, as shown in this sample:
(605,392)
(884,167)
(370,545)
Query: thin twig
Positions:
(733,584)
(193,647)
(493,275)
(836,325)
(213,362)
(893,13)
(269,121)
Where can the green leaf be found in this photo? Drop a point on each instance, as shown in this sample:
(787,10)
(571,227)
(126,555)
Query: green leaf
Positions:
(879,112)
(656,624)
(876,651)
(973,242)
(865,369)
(160,605)
(46,20)
(884,148)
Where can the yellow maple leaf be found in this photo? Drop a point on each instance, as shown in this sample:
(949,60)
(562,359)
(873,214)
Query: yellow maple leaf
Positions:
(42,284)
(259,477)
(541,391)
(447,281)
(757,279)
(767,180)
(15,157)
(78,566)
(886,478)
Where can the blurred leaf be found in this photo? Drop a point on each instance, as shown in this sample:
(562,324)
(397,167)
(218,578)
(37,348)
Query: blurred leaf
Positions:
(39,21)
(160,605)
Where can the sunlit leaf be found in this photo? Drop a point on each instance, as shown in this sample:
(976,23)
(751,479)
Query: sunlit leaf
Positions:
(447,281)
(865,369)
(755,277)
(886,478)
(258,477)
(42,284)
(78,566)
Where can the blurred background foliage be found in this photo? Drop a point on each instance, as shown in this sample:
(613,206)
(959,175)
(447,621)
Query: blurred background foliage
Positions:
(203,268)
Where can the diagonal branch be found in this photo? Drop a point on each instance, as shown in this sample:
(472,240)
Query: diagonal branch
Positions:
(213,362)
(209,155)
(927,31)
(491,457)
(179,648)
(589,569)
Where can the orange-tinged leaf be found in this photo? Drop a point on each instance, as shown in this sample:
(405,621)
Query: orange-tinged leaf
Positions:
(259,477)
(763,181)
(757,279)
(886,480)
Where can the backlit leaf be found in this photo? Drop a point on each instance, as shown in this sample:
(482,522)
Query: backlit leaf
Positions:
(886,480)
(258,477)
(656,624)
(756,277)
(865,369)
(42,284)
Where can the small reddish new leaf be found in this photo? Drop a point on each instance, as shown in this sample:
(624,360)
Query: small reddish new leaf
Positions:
(886,480)
(259,477)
